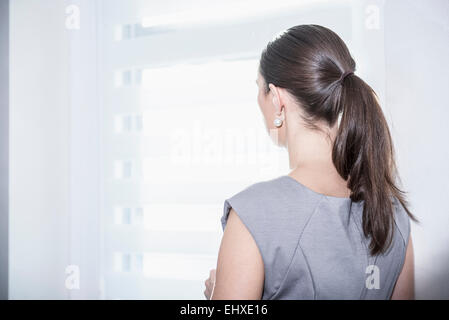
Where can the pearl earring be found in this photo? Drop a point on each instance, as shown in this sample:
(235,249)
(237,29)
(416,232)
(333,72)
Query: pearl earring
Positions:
(277,122)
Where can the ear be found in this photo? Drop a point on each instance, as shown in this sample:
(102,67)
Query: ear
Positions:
(276,98)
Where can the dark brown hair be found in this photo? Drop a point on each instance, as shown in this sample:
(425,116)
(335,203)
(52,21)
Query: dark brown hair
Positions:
(314,65)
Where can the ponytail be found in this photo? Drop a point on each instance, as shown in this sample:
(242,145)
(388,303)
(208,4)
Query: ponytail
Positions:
(363,154)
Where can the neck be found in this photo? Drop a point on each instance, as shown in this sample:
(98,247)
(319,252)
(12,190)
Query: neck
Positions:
(311,150)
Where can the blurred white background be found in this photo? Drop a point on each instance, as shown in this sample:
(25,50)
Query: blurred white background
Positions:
(131,122)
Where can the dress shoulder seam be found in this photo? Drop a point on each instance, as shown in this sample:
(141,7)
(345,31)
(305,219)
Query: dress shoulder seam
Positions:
(298,246)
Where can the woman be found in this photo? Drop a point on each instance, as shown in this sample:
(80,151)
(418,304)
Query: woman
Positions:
(337,226)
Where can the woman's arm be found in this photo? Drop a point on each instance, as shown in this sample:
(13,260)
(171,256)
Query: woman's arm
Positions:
(240,268)
(405,285)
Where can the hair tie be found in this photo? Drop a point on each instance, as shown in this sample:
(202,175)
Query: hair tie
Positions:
(344,75)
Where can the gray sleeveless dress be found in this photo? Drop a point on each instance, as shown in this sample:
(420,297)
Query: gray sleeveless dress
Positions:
(313,245)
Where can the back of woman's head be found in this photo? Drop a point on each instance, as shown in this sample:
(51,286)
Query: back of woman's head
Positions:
(314,65)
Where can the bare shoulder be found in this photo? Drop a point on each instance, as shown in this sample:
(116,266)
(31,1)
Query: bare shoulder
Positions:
(240,270)
(404,288)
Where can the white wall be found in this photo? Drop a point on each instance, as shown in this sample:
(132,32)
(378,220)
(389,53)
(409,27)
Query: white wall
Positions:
(39,150)
(417,48)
